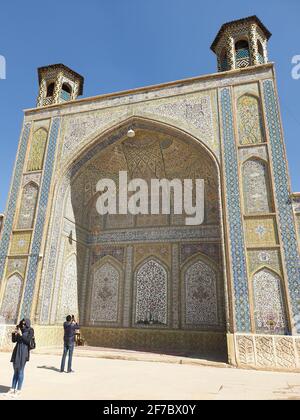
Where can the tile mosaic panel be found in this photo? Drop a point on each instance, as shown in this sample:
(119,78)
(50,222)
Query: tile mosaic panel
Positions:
(201,303)
(256,187)
(269,258)
(261,231)
(28,206)
(151,294)
(250,120)
(105,294)
(37,150)
(269,309)
(12,297)
(20,243)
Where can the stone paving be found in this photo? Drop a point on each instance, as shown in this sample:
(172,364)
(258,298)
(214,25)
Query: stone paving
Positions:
(112,379)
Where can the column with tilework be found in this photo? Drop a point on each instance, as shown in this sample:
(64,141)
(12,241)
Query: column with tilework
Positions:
(40,220)
(287,228)
(235,231)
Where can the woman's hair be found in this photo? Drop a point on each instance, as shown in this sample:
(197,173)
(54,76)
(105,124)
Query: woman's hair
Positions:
(21,323)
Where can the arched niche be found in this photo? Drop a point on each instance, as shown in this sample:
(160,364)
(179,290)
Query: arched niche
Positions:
(12,298)
(37,150)
(202,294)
(106,286)
(250,124)
(256,187)
(68,301)
(151,296)
(269,308)
(242,53)
(28,206)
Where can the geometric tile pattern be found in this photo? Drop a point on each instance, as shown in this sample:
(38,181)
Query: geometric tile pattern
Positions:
(265,351)
(11,207)
(20,243)
(285,210)
(262,231)
(233,204)
(40,221)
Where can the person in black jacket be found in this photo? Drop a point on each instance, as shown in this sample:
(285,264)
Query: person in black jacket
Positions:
(70,327)
(22,336)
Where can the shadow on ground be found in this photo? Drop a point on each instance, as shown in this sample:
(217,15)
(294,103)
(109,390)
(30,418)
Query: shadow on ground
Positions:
(4,389)
(49,368)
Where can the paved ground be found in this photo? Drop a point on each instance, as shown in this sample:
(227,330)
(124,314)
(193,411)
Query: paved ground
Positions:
(111,379)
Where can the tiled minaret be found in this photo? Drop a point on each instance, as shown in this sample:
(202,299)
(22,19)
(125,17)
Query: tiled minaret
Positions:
(241,43)
(58,83)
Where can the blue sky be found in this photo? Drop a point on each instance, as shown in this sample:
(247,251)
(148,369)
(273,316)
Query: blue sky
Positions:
(123,44)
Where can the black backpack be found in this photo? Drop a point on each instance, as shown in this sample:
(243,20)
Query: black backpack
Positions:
(32,344)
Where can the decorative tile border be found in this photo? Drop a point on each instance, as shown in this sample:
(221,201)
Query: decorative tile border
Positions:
(13,197)
(233,204)
(285,209)
(41,215)
(161,235)
(267,351)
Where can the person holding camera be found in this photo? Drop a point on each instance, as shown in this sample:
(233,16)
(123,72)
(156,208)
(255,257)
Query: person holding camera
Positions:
(23,336)
(70,327)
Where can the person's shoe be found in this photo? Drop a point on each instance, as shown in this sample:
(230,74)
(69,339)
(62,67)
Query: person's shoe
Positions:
(62,371)
(11,391)
(18,394)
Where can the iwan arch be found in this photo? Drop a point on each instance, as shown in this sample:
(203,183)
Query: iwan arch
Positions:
(228,288)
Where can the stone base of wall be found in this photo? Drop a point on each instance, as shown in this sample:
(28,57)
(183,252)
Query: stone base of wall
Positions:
(46,336)
(206,344)
(267,352)
(248,351)
(5,337)
(49,336)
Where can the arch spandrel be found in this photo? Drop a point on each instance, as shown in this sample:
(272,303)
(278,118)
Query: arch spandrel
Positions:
(196,116)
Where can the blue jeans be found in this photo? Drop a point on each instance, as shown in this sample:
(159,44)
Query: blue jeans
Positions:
(68,348)
(18,379)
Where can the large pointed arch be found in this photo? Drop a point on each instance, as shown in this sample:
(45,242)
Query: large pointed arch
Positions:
(118,129)
(100,142)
